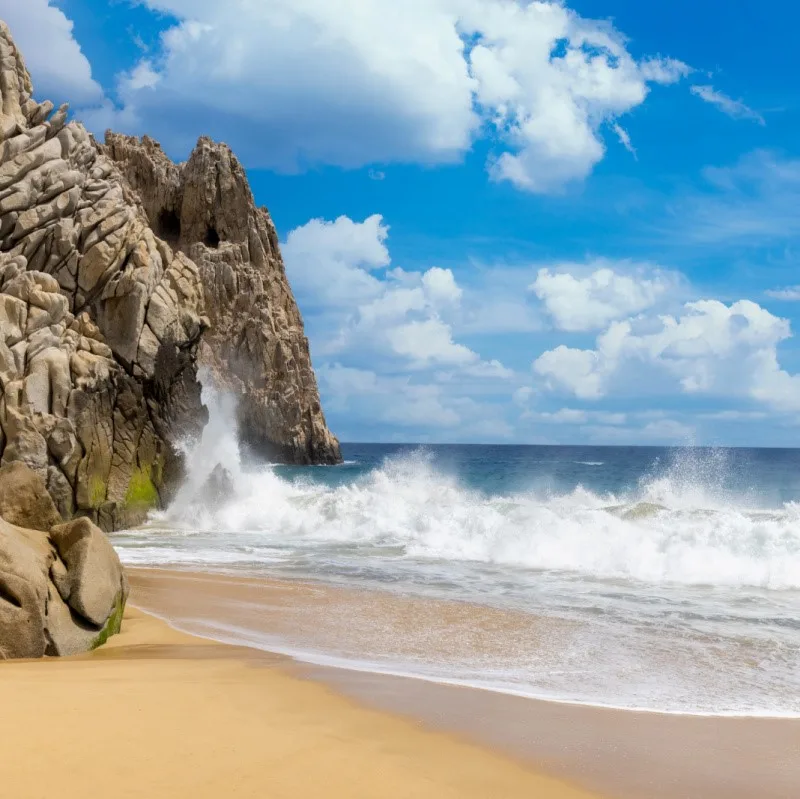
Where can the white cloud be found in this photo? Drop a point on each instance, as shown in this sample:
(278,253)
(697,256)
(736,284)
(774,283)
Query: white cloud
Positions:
(489,369)
(578,371)
(331,263)
(522,396)
(788,294)
(59,68)
(429,341)
(142,76)
(339,272)
(549,80)
(294,83)
(712,348)
(732,108)
(624,138)
(589,303)
(384,339)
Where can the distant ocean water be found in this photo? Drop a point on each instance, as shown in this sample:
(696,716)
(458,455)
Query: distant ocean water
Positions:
(664,579)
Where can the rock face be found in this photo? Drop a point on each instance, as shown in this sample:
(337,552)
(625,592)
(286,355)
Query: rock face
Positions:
(100,320)
(114,262)
(24,500)
(61,592)
(255,346)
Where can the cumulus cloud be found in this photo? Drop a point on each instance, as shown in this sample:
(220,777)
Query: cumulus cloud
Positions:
(732,108)
(355,303)
(293,83)
(43,33)
(331,263)
(384,339)
(712,349)
(549,80)
(589,302)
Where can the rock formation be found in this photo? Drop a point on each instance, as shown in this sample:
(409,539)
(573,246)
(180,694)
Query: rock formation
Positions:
(113,263)
(61,592)
(100,320)
(255,346)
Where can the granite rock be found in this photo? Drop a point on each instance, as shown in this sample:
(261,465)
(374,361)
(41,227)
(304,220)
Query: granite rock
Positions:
(256,346)
(100,321)
(55,606)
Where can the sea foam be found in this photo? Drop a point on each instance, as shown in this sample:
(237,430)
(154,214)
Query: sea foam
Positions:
(678,527)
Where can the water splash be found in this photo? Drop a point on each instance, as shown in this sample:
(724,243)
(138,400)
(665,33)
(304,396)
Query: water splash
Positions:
(681,524)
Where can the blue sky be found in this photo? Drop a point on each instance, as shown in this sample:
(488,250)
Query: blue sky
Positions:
(503,221)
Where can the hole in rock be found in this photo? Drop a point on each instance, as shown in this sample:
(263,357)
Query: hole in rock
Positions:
(168,227)
(211,238)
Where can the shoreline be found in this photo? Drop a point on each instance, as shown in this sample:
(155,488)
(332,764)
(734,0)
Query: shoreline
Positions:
(157,712)
(327,661)
(323,658)
(619,752)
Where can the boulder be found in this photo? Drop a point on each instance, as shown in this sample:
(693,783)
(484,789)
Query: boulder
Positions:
(52,607)
(24,500)
(92,579)
(114,261)
(25,558)
(218,488)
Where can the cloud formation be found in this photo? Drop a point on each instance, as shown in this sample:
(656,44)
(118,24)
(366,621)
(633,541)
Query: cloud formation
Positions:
(384,338)
(735,109)
(710,349)
(583,302)
(44,35)
(296,83)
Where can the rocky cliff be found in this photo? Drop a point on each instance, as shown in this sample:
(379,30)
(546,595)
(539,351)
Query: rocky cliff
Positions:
(255,345)
(120,273)
(100,319)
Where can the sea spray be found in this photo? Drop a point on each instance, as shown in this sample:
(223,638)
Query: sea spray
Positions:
(665,579)
(692,533)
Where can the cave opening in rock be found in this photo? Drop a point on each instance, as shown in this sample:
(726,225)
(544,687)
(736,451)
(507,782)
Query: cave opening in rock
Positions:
(211,238)
(168,227)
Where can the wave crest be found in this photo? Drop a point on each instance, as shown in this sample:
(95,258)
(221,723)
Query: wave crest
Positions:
(680,527)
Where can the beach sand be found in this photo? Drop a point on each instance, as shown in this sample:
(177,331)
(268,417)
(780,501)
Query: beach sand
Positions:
(618,753)
(161,713)
(158,713)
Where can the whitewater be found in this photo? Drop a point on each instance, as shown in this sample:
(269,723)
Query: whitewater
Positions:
(665,580)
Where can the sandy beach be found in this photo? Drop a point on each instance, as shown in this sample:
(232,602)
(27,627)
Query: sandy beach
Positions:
(621,754)
(161,714)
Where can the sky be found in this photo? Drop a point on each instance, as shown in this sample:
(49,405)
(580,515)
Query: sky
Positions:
(503,221)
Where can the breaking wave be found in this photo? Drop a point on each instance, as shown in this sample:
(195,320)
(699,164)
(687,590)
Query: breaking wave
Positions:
(681,526)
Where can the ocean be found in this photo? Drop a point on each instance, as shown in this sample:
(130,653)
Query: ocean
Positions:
(635,577)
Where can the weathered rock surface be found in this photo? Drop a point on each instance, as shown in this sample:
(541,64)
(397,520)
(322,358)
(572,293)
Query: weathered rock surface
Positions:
(113,263)
(24,500)
(256,345)
(60,593)
(100,321)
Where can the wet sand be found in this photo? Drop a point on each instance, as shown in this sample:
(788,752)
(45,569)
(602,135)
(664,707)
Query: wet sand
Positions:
(622,754)
(157,713)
